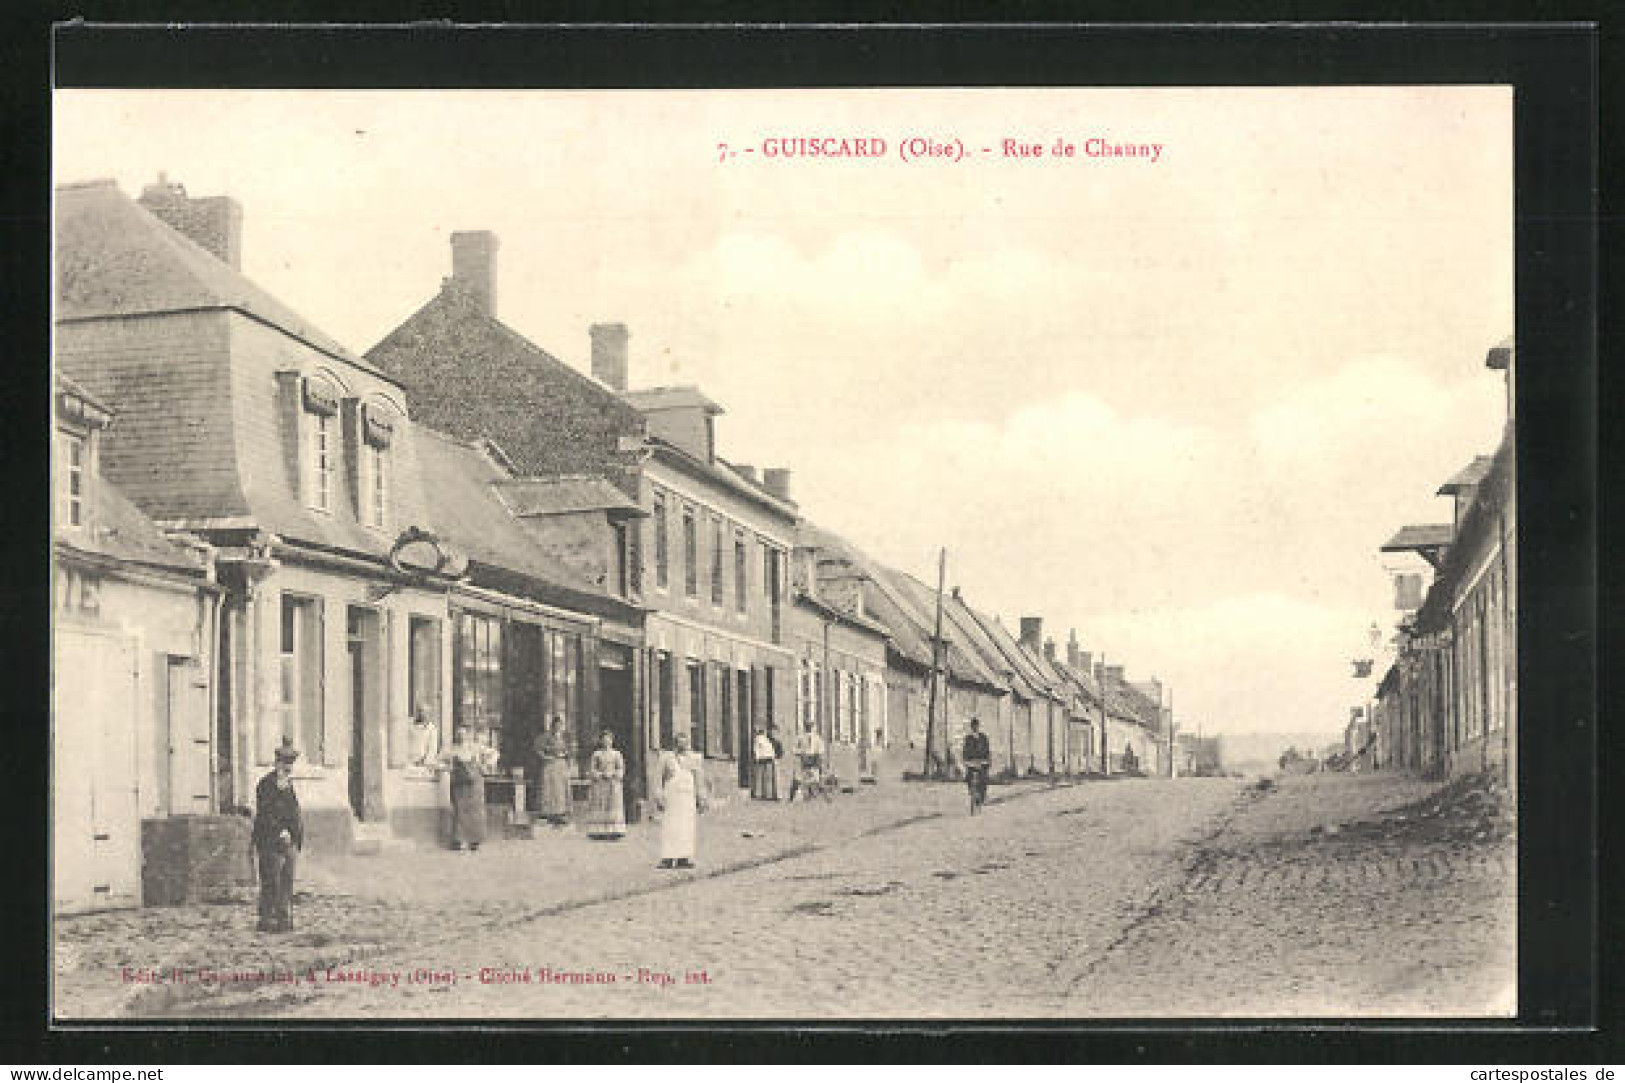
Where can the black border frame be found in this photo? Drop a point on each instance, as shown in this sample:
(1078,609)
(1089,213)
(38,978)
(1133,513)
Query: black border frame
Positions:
(1555,70)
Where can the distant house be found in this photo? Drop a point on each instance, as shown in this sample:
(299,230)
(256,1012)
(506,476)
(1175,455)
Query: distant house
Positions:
(906,608)
(840,658)
(707,558)
(135,624)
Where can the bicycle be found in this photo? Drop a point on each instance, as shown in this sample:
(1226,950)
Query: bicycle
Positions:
(976,783)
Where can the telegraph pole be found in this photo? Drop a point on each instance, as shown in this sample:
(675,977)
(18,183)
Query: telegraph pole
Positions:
(936,664)
(1105,752)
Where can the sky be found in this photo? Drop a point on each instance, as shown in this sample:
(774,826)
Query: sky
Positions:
(1175,405)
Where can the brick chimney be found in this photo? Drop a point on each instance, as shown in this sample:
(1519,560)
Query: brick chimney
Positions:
(1073,653)
(1049,649)
(748,472)
(776,479)
(1086,662)
(474,267)
(1115,673)
(214,223)
(1032,633)
(609,354)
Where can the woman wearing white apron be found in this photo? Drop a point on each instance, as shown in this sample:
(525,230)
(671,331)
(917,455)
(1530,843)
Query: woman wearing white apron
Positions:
(683,794)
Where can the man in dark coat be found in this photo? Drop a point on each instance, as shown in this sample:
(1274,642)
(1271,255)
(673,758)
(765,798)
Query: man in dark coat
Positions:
(977,757)
(279,835)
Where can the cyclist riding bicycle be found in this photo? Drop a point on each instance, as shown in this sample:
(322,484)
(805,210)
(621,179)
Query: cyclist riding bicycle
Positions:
(977,757)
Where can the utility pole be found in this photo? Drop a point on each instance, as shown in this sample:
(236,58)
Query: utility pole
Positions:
(936,664)
(1105,752)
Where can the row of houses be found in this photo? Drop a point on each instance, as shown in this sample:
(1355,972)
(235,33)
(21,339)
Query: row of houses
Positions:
(1448,703)
(261,535)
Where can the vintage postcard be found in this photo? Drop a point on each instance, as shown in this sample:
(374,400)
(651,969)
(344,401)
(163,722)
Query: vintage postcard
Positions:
(784,554)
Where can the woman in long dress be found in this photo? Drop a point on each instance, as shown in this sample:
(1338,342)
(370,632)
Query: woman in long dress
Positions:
(683,794)
(606,813)
(467,760)
(554,753)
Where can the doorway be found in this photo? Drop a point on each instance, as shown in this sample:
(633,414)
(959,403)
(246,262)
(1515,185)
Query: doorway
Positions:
(616,713)
(363,639)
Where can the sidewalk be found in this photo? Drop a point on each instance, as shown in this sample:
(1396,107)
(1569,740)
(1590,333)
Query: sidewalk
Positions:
(352,908)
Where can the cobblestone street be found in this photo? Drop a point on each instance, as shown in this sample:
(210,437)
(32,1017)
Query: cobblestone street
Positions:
(1191,897)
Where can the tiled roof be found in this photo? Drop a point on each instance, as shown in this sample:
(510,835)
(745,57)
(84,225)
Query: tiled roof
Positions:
(470,375)
(475,520)
(1419,536)
(563,496)
(115,258)
(116,529)
(1467,476)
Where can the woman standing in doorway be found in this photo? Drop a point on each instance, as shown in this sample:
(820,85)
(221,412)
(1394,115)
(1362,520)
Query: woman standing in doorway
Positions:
(683,796)
(554,752)
(606,814)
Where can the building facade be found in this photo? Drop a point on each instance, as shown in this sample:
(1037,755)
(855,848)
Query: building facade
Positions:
(135,624)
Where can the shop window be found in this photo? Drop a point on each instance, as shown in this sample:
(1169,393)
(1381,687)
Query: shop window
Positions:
(564,684)
(423,671)
(301,661)
(479,676)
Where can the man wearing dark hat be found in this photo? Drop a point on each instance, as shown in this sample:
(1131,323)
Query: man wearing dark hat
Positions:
(279,835)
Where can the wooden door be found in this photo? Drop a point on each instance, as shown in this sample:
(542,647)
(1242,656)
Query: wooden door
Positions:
(96,822)
(189,773)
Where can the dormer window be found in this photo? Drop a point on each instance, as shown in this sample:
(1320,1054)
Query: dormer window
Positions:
(74,450)
(320,458)
(377,431)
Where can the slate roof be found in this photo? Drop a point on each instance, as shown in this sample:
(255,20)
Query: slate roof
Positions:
(1419,536)
(567,495)
(1467,476)
(478,522)
(116,529)
(116,258)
